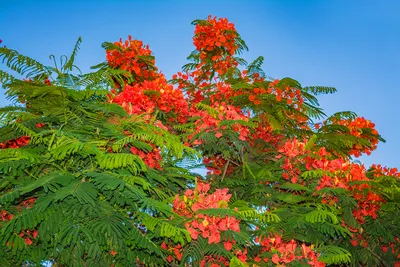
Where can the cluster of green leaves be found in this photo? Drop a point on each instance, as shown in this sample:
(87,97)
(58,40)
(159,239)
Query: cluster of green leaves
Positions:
(92,195)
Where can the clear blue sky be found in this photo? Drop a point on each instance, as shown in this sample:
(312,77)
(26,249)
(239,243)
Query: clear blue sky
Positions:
(351,45)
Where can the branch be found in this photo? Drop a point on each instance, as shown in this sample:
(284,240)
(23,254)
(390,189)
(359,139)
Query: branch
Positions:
(225,169)
(377,256)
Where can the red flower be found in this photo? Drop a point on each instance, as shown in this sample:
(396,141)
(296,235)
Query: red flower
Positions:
(228,245)
(170,258)
(214,237)
(40,125)
(35,233)
(164,246)
(4,216)
(203,187)
(130,58)
(275,258)
(193,233)
(252,98)
(215,34)
(28,241)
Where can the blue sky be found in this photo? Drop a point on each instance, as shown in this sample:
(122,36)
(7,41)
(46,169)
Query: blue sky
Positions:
(350,45)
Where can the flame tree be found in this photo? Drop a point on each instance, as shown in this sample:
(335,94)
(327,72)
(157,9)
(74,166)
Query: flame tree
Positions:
(97,169)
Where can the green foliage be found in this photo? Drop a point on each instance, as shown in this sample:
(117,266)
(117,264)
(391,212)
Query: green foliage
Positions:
(23,65)
(70,63)
(334,255)
(79,195)
(91,194)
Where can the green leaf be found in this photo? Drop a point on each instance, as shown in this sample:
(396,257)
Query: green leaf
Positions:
(52,182)
(295,187)
(70,62)
(321,216)
(290,198)
(235,262)
(85,192)
(334,255)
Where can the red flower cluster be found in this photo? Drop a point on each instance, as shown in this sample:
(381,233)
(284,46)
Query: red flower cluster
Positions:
(287,252)
(215,34)
(332,177)
(151,159)
(289,94)
(28,203)
(16,143)
(176,249)
(216,41)
(337,173)
(209,227)
(340,174)
(134,57)
(211,122)
(47,82)
(214,261)
(148,96)
(356,127)
(378,171)
(264,133)
(253,96)
(28,235)
(4,216)
(368,202)
(291,149)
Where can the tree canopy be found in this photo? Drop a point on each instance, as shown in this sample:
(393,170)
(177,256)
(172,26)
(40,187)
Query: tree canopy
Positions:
(98,169)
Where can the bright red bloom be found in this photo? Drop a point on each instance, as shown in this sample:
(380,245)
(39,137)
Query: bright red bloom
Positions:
(16,143)
(134,57)
(359,127)
(214,34)
(35,234)
(209,227)
(28,241)
(40,125)
(5,216)
(228,245)
(170,258)
(164,246)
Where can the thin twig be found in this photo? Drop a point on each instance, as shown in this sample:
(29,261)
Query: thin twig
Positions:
(377,256)
(225,169)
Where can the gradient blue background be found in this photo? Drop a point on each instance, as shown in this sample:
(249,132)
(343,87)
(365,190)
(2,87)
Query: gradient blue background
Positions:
(351,45)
